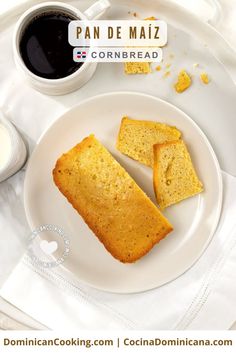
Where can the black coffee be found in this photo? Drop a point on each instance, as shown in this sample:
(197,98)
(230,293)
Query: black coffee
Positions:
(44,46)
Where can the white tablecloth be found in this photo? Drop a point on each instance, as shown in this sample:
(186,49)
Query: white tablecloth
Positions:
(216,288)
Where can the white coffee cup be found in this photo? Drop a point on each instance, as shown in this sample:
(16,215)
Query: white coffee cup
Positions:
(73,81)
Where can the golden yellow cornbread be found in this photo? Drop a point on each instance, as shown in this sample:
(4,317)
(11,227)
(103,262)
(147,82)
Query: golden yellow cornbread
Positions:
(137,68)
(151,18)
(183,83)
(174,176)
(137,137)
(114,207)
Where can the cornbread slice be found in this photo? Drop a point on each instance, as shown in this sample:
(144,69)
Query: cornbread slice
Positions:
(137,137)
(137,68)
(114,207)
(174,176)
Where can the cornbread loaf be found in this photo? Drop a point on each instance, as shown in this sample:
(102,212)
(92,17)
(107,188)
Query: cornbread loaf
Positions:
(137,137)
(114,207)
(174,176)
(137,67)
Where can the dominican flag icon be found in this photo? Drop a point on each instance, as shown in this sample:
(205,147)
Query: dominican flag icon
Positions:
(81,54)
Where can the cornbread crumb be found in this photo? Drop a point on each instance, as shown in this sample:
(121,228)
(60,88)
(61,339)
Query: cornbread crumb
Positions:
(158,68)
(137,68)
(137,137)
(167,73)
(168,66)
(114,207)
(204,78)
(152,18)
(184,81)
(174,176)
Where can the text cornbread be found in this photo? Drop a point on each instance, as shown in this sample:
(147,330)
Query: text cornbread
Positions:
(174,176)
(137,137)
(114,207)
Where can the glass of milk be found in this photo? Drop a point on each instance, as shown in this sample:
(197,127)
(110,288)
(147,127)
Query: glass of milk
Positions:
(13,151)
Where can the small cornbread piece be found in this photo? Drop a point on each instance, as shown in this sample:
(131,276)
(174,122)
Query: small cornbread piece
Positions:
(152,18)
(174,176)
(158,67)
(167,74)
(204,78)
(184,81)
(137,68)
(137,137)
(114,207)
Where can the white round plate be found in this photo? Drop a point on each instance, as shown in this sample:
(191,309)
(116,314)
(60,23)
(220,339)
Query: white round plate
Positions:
(194,219)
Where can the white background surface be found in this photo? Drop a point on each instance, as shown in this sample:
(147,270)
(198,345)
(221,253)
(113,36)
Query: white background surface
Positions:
(202,8)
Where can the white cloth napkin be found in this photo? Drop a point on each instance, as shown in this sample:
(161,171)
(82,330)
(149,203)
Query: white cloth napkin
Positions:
(12,318)
(202,298)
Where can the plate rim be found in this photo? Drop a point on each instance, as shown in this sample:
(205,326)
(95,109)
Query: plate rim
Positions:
(218,177)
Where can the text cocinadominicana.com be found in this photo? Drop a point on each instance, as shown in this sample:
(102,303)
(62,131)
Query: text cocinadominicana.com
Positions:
(119,342)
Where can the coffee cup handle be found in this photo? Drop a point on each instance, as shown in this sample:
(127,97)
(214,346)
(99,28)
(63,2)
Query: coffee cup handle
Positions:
(97,9)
